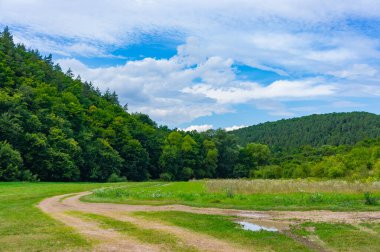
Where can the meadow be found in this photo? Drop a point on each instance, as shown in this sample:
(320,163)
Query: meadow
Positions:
(336,195)
(24,227)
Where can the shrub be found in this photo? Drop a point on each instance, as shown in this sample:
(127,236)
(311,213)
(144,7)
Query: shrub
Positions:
(166,176)
(316,198)
(370,199)
(187,173)
(116,178)
(27,175)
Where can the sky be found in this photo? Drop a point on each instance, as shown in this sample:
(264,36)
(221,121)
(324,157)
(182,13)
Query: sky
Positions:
(201,64)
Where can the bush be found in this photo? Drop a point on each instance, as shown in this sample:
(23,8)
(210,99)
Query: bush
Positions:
(370,199)
(267,172)
(187,173)
(27,175)
(240,171)
(113,178)
(166,176)
(316,198)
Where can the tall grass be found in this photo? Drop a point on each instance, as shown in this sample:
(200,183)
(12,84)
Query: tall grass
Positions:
(240,186)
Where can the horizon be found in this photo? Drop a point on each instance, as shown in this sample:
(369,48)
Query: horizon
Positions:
(214,65)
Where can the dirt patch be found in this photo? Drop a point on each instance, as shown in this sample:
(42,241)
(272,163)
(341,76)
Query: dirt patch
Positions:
(109,240)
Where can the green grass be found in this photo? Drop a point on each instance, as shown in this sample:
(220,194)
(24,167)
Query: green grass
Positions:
(374,226)
(195,193)
(23,227)
(223,227)
(150,236)
(342,237)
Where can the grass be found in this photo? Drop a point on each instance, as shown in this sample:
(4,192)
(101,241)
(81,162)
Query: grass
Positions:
(223,227)
(150,236)
(23,227)
(290,186)
(200,193)
(342,237)
(373,226)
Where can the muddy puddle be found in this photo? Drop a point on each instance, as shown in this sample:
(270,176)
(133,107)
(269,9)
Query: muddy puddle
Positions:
(255,227)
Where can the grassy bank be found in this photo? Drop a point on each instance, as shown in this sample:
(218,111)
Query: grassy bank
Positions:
(23,227)
(255,195)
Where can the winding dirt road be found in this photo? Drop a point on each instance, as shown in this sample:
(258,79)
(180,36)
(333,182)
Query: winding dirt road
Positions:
(111,240)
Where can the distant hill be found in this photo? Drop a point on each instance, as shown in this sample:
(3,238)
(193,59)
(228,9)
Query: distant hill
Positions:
(314,130)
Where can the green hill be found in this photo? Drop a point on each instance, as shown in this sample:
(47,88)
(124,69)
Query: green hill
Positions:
(315,130)
(56,127)
(60,128)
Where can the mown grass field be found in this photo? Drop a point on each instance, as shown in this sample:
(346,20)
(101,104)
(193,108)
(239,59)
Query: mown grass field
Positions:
(250,195)
(23,227)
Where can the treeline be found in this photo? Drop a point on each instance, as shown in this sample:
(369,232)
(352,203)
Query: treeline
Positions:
(56,127)
(351,162)
(315,130)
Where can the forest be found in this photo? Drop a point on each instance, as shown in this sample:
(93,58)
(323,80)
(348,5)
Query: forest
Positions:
(56,127)
(315,130)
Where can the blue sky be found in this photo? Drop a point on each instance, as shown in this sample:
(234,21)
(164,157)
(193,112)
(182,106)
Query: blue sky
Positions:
(209,64)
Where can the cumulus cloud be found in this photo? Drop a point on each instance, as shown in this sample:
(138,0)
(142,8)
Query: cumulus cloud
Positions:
(165,88)
(154,86)
(199,128)
(314,47)
(282,89)
(235,127)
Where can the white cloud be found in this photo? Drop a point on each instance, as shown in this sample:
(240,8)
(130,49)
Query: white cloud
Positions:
(282,89)
(199,128)
(356,71)
(291,38)
(234,127)
(154,86)
(165,89)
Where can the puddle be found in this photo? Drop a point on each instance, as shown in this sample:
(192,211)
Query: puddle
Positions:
(255,228)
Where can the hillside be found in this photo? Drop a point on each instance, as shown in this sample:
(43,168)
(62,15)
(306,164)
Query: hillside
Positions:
(56,127)
(315,130)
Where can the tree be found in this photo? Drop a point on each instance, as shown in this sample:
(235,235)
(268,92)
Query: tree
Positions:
(10,163)
(171,158)
(250,158)
(210,161)
(103,160)
(227,153)
(190,154)
(136,161)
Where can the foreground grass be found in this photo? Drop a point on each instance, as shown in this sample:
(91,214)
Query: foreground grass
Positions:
(150,236)
(342,237)
(198,193)
(23,227)
(223,227)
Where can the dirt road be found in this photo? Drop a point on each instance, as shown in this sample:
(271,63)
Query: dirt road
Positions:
(111,240)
